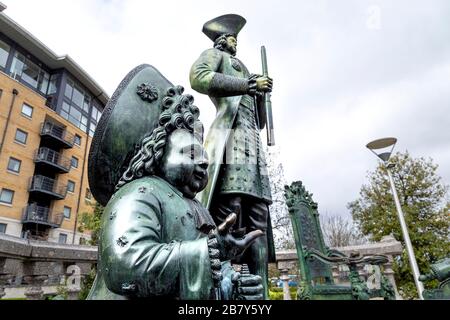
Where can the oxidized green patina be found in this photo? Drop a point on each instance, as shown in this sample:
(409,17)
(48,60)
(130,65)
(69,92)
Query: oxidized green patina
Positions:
(239,179)
(315,259)
(233,143)
(439,271)
(157,241)
(150,229)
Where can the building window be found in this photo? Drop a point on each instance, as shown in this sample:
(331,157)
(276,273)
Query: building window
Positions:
(92,128)
(77,140)
(3,227)
(74,115)
(62,238)
(52,86)
(27,110)
(95,118)
(77,102)
(71,186)
(21,136)
(77,95)
(96,114)
(25,70)
(88,194)
(6,196)
(4,53)
(74,162)
(67,212)
(14,165)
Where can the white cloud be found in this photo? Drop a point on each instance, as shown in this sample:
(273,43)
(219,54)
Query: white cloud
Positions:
(338,83)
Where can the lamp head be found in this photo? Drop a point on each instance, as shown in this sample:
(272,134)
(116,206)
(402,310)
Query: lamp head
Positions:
(382,148)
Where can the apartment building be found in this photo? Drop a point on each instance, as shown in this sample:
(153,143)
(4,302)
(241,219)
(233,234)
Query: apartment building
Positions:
(49,110)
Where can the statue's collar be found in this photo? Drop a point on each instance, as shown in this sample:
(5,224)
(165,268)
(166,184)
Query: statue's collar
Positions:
(203,220)
(175,190)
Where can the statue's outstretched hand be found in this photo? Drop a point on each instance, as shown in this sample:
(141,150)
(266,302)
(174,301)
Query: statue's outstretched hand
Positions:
(228,245)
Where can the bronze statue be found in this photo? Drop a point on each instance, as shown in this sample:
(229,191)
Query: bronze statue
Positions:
(146,165)
(239,180)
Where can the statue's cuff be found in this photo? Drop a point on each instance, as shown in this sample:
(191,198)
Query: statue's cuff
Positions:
(214,258)
(252,86)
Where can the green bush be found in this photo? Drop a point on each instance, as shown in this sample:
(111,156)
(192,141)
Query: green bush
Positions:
(88,281)
(277,293)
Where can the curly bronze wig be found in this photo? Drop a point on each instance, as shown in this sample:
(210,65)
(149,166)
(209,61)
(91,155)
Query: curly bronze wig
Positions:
(178,112)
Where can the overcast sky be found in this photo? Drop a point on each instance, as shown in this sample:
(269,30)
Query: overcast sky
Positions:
(345,72)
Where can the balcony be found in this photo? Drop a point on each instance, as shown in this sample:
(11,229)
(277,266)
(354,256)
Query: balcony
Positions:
(41,215)
(56,135)
(53,160)
(48,187)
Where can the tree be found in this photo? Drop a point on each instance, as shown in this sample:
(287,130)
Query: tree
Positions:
(339,231)
(426,207)
(92,222)
(281,222)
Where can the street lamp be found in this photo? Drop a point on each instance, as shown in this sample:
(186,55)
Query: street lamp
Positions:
(388,145)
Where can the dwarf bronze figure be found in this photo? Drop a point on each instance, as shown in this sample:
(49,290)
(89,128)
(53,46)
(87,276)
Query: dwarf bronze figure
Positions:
(146,165)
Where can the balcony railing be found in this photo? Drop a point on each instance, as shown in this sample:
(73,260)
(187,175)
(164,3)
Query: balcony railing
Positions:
(48,186)
(41,215)
(53,159)
(58,134)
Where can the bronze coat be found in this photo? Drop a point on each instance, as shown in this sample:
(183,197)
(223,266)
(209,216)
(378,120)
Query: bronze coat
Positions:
(215,74)
(151,246)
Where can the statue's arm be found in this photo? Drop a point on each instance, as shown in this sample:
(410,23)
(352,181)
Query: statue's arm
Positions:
(206,78)
(137,263)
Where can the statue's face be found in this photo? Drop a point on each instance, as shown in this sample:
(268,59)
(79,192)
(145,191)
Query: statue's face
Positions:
(231,45)
(185,163)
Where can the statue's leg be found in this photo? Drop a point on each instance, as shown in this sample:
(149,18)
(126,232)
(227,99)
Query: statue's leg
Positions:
(256,215)
(252,214)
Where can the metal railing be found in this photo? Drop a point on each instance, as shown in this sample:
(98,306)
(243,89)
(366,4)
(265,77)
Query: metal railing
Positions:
(48,185)
(56,131)
(49,155)
(37,214)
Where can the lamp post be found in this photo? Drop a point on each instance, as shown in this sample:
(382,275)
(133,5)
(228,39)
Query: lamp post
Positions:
(385,156)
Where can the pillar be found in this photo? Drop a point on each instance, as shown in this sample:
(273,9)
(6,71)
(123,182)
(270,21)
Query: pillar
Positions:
(285,278)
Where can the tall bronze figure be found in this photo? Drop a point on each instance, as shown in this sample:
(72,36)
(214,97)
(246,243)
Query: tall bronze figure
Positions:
(239,181)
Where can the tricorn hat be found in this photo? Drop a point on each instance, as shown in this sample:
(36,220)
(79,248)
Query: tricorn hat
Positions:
(226,24)
(132,113)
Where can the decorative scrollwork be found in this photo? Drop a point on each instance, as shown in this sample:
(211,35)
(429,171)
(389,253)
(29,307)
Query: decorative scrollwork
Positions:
(147,92)
(336,257)
(297,193)
(304,291)
(360,291)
